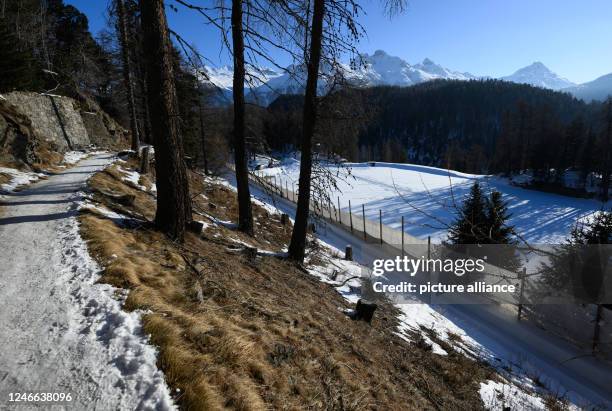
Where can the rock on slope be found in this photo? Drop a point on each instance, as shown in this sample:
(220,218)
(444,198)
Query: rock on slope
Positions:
(32,122)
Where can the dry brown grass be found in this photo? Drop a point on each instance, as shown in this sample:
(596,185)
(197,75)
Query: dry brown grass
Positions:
(254,334)
(4,178)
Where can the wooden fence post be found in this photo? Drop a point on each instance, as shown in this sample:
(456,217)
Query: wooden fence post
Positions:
(402,236)
(339,218)
(351,216)
(380,224)
(522,276)
(348,253)
(365,237)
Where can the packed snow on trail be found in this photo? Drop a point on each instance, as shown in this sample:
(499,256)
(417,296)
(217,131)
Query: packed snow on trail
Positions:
(62,331)
(428,198)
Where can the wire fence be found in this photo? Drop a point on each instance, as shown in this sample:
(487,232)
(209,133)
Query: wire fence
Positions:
(588,326)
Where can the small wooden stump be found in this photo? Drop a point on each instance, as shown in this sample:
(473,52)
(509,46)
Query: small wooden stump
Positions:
(195,226)
(284,219)
(364,310)
(250,253)
(348,253)
(145,160)
(312,228)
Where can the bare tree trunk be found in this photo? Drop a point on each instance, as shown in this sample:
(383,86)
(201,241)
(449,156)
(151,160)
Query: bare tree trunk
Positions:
(127,73)
(144,101)
(203,137)
(605,180)
(297,248)
(245,212)
(173,201)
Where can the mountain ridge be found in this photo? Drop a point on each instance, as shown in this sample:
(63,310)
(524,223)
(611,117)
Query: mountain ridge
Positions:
(381,68)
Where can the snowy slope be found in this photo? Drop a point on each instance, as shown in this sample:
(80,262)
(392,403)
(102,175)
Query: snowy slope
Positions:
(537,74)
(598,89)
(531,362)
(424,197)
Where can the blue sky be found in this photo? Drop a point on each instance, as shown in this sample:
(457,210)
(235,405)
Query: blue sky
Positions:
(485,37)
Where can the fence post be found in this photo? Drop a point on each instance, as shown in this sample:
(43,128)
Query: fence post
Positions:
(402,236)
(428,253)
(329,209)
(293,191)
(339,218)
(348,253)
(598,318)
(351,216)
(520,305)
(380,224)
(365,237)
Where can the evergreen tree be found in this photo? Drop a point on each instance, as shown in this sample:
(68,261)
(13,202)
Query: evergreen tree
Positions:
(498,231)
(471,224)
(503,254)
(578,268)
(18,69)
(596,231)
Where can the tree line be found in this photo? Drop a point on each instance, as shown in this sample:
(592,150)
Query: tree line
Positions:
(147,76)
(481,126)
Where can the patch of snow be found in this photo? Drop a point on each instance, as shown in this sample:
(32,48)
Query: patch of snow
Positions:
(18,178)
(73,157)
(98,316)
(499,396)
(133,177)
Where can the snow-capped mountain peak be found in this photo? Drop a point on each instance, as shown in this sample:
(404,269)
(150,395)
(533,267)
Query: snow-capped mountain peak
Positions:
(537,74)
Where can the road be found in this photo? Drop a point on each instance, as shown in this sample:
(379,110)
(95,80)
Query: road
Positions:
(60,332)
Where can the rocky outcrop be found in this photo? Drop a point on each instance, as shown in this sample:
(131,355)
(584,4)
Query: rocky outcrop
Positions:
(102,129)
(55,118)
(33,123)
(17,137)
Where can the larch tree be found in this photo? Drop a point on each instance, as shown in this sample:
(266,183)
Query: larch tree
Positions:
(127,72)
(245,211)
(297,247)
(173,201)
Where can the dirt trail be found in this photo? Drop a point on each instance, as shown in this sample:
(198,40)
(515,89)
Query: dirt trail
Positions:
(59,331)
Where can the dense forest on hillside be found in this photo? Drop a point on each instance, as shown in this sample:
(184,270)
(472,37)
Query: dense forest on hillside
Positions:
(435,122)
(474,126)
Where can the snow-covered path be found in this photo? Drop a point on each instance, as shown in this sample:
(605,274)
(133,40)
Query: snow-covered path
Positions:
(59,331)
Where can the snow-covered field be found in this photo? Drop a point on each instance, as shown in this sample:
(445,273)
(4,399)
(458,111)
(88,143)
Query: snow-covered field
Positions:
(427,198)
